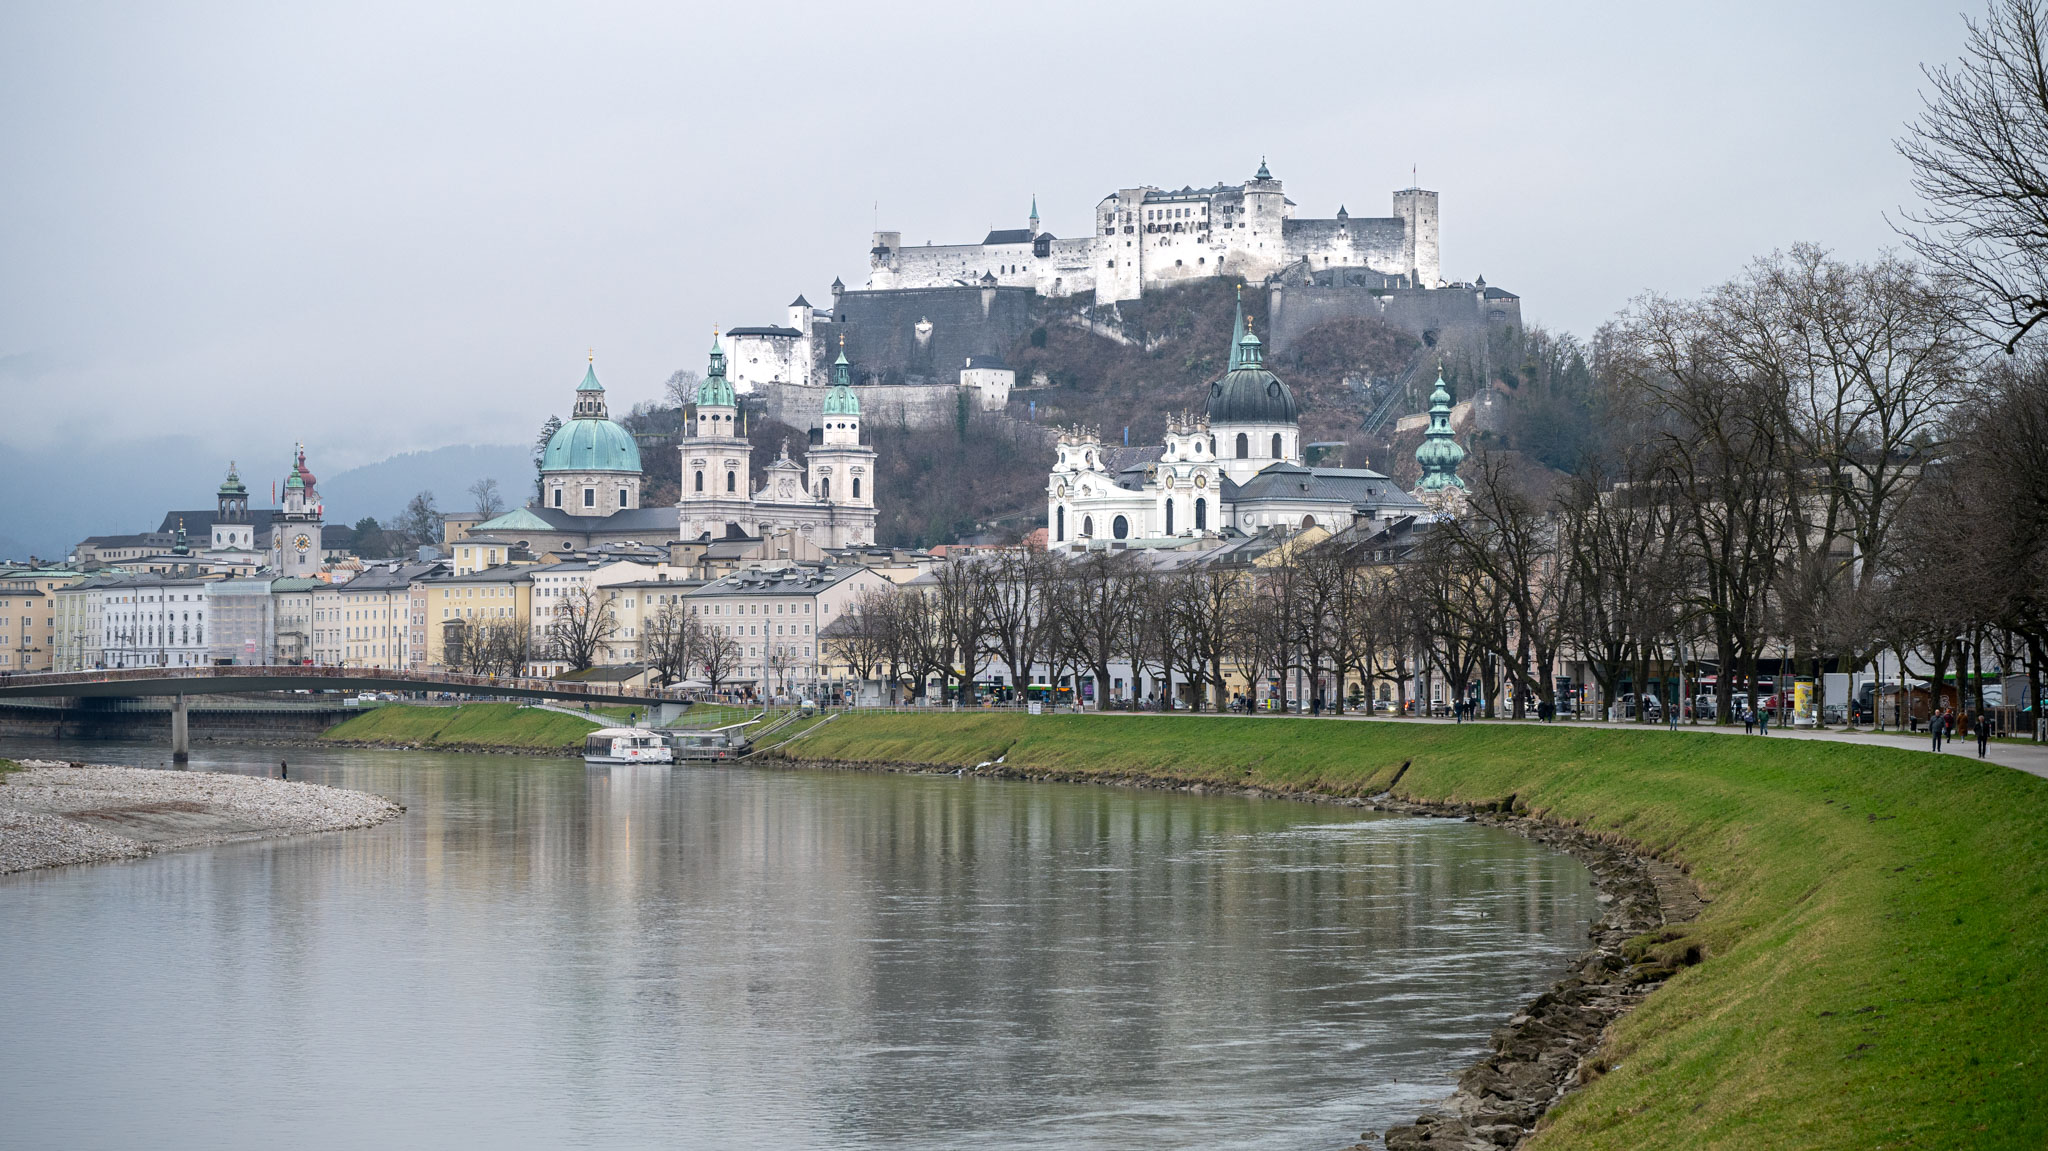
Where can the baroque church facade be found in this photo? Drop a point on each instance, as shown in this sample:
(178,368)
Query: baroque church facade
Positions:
(830,500)
(591,477)
(1236,469)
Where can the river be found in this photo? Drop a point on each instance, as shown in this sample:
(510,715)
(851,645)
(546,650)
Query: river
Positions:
(540,954)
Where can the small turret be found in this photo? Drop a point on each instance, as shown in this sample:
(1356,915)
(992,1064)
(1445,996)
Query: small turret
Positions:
(1034,215)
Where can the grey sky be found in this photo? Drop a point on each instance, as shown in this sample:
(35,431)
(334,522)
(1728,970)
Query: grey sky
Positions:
(384,229)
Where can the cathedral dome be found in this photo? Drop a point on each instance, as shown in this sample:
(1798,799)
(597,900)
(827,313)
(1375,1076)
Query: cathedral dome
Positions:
(591,445)
(590,442)
(1248,393)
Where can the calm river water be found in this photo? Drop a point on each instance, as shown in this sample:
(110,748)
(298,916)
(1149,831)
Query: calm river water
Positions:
(540,954)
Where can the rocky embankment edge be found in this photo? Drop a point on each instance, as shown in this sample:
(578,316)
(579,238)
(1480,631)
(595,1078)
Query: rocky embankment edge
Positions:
(53,814)
(1554,1043)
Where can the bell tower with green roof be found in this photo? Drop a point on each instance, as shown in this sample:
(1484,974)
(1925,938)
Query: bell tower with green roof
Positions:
(840,469)
(717,459)
(1439,454)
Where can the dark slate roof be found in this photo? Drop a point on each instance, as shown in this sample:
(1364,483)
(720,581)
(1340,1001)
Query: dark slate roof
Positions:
(1250,395)
(989,360)
(1500,294)
(1356,487)
(799,302)
(202,521)
(1009,236)
(790,333)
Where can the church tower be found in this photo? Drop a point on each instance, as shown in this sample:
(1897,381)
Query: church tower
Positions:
(842,469)
(232,530)
(295,530)
(717,461)
(1439,455)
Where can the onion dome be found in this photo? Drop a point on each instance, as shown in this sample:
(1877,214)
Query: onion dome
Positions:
(1439,454)
(1248,393)
(590,442)
(716,391)
(841,400)
(233,485)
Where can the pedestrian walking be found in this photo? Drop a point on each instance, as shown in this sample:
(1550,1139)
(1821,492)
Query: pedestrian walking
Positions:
(1934,723)
(1763,721)
(1983,733)
(284,770)
(1748,721)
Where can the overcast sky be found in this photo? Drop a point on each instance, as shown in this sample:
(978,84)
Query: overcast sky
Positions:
(390,228)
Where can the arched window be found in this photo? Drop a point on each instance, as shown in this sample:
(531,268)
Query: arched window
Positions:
(856,487)
(1244,446)
(732,483)
(825,488)
(1169,517)
(1120,527)
(1307,522)
(1276,445)
(1201,513)
(700,479)
(1087,526)
(1059,525)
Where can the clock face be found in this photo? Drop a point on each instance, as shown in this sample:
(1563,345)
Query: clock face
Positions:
(301,542)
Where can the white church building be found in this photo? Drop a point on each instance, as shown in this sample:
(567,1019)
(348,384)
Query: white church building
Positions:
(1237,469)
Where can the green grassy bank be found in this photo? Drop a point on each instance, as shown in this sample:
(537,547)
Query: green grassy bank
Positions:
(1877,940)
(504,725)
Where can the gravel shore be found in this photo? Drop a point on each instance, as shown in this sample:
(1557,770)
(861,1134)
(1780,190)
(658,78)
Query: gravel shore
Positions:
(53,814)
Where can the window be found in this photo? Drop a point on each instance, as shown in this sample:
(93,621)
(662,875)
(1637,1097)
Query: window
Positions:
(700,479)
(622,503)
(1201,513)
(1059,526)
(1276,445)
(589,497)
(825,489)
(1169,517)
(731,483)
(1244,446)
(1120,527)
(558,497)
(1087,526)
(856,487)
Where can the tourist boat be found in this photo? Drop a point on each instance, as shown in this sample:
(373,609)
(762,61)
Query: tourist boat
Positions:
(724,743)
(626,745)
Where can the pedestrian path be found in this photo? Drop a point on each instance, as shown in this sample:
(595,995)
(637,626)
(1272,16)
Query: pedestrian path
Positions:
(2031,758)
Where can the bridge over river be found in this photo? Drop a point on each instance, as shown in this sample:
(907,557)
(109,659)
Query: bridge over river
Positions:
(180,682)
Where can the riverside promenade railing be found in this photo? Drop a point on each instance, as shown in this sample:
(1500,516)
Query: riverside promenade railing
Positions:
(313,676)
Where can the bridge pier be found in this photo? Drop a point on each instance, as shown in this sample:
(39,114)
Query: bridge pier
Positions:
(181,732)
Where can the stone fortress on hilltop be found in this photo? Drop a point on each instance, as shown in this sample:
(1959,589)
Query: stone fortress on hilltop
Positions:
(931,327)
(1147,238)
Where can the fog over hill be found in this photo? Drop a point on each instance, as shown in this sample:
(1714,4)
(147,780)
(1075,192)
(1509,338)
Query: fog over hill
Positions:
(51,497)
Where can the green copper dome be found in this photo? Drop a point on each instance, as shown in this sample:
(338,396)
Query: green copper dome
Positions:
(1439,454)
(233,485)
(716,391)
(841,400)
(590,442)
(1248,393)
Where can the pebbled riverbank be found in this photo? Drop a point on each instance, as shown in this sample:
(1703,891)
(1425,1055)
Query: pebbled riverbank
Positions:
(53,814)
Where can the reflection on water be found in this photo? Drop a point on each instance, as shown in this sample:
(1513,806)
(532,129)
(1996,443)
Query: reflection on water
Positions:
(542,954)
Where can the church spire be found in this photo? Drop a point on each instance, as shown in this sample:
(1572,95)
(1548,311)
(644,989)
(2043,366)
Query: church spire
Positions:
(1237,330)
(1439,454)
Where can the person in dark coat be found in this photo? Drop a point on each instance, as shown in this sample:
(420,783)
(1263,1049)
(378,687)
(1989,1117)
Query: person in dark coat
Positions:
(1983,722)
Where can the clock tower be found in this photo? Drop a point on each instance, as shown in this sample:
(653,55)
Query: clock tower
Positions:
(295,529)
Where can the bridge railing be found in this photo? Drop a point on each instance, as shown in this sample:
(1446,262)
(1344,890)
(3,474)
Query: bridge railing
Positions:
(316,672)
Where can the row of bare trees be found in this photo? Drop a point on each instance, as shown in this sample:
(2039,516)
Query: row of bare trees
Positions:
(1809,465)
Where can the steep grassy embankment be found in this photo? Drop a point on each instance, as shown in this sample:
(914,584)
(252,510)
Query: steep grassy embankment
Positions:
(474,725)
(1877,941)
